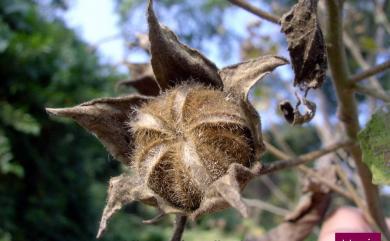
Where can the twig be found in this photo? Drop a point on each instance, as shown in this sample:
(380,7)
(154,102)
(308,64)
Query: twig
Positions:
(372,92)
(355,196)
(380,17)
(278,153)
(309,172)
(291,162)
(256,11)
(266,206)
(355,51)
(180,224)
(326,182)
(276,191)
(281,141)
(285,147)
(370,72)
(104,40)
(275,151)
(347,106)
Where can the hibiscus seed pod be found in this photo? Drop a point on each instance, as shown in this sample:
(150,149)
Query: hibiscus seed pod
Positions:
(186,139)
(194,146)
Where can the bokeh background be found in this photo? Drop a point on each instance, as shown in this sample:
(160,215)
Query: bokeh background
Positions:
(56,53)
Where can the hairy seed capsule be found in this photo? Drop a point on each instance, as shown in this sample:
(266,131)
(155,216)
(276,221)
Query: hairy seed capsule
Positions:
(186,139)
(191,148)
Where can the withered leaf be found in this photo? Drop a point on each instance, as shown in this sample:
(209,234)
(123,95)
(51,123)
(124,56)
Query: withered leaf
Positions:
(293,116)
(309,212)
(305,44)
(239,78)
(174,62)
(142,79)
(106,118)
(287,110)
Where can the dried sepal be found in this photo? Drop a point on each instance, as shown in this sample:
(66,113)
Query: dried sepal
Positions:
(122,190)
(174,62)
(142,79)
(106,118)
(305,44)
(155,219)
(239,78)
(225,192)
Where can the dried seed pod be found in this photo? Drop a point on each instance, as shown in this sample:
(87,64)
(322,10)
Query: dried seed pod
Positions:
(192,148)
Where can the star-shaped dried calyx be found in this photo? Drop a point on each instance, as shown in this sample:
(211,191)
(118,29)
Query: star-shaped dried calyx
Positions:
(193,147)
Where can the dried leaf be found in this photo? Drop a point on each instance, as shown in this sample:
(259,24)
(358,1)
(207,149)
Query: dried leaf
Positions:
(305,44)
(231,193)
(142,79)
(304,204)
(287,110)
(106,118)
(293,116)
(174,62)
(309,212)
(239,78)
(375,143)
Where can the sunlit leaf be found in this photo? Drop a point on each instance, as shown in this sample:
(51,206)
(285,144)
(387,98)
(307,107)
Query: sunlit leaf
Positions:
(368,44)
(6,166)
(19,119)
(375,143)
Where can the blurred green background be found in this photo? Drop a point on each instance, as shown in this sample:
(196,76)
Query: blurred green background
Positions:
(54,175)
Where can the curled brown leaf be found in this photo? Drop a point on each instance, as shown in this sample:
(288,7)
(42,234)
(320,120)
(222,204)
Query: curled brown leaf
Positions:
(309,212)
(305,44)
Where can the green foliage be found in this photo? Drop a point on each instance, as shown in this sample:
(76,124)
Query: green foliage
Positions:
(19,119)
(6,166)
(46,166)
(375,143)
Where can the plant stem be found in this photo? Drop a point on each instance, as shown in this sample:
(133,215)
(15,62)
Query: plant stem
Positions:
(280,154)
(371,72)
(292,162)
(180,224)
(266,206)
(372,92)
(347,106)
